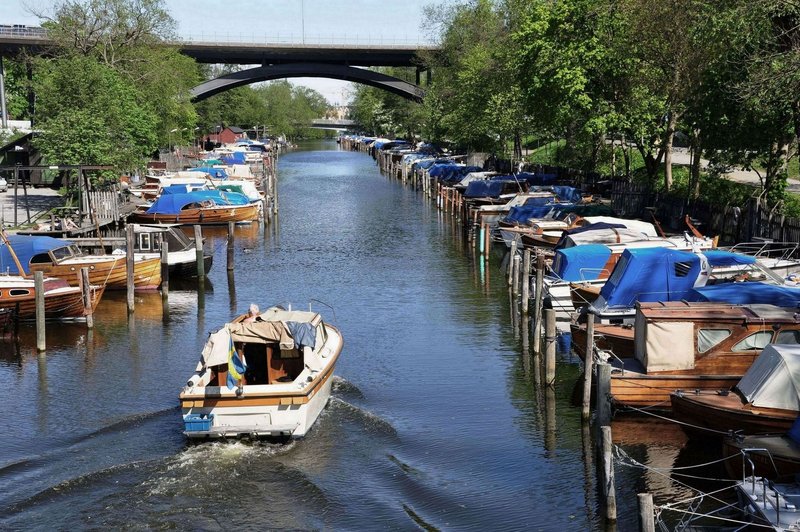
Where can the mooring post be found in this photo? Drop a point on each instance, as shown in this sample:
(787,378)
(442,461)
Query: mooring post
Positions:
(164,270)
(129,265)
(588,361)
(488,246)
(512,254)
(198,253)
(38,282)
(87,298)
(526,280)
(647,521)
(481,242)
(537,304)
(230,245)
(516,261)
(550,347)
(603,389)
(608,474)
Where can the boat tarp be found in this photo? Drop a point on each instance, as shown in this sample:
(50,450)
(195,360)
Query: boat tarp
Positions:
(581,263)
(663,345)
(567,193)
(173,203)
(773,381)
(182,188)
(261,332)
(522,213)
(237,157)
(26,247)
(720,258)
(216,173)
(748,293)
(491,188)
(602,233)
(649,274)
(304,333)
(646,228)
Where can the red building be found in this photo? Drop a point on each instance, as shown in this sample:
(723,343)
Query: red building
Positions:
(229,135)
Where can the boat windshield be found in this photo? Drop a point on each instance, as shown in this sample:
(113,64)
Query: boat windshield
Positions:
(66,252)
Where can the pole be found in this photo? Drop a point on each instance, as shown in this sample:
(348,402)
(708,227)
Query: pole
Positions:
(164,270)
(646,514)
(38,281)
(3,112)
(537,305)
(588,360)
(526,280)
(129,266)
(87,298)
(16,194)
(608,481)
(198,251)
(511,262)
(230,246)
(550,347)
(603,391)
(515,268)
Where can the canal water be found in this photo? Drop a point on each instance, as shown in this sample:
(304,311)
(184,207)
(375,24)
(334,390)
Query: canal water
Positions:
(435,421)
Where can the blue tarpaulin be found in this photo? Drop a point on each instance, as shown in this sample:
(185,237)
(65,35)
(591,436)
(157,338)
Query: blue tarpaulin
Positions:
(486,189)
(566,193)
(522,213)
(749,293)
(173,203)
(303,333)
(719,257)
(26,247)
(237,157)
(181,189)
(581,263)
(649,274)
(216,173)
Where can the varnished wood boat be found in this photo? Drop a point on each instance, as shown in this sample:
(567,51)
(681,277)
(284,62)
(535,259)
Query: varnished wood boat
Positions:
(61,301)
(204,215)
(289,362)
(764,401)
(695,346)
(772,455)
(64,260)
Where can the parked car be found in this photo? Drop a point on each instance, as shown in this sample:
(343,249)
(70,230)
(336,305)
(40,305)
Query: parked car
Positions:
(3,184)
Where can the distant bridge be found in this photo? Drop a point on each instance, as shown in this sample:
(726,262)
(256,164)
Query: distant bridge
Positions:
(277,60)
(333,123)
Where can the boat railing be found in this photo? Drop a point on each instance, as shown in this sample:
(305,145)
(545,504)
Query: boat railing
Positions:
(746,459)
(767,249)
(599,271)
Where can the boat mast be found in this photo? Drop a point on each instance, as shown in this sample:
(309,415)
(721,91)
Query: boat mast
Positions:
(11,250)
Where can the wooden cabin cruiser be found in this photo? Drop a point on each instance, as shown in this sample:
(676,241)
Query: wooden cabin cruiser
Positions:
(61,301)
(694,346)
(765,400)
(268,374)
(198,207)
(64,260)
(770,455)
(181,252)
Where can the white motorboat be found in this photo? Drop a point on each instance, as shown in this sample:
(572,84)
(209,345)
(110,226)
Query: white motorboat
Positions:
(263,375)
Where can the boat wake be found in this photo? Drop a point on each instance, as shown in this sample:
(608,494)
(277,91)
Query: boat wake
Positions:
(343,387)
(372,423)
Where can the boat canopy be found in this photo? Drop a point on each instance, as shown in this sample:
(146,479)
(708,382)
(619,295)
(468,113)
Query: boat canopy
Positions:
(26,247)
(182,188)
(645,228)
(488,189)
(566,193)
(216,173)
(749,293)
(173,203)
(522,213)
(600,233)
(581,263)
(721,258)
(649,274)
(773,381)
(237,157)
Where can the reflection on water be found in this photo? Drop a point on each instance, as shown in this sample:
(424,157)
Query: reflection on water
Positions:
(437,418)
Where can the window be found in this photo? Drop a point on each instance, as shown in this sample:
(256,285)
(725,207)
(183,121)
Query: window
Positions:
(62,253)
(41,258)
(16,292)
(788,337)
(144,242)
(708,338)
(754,342)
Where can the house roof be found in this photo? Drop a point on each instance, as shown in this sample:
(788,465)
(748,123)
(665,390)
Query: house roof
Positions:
(235,129)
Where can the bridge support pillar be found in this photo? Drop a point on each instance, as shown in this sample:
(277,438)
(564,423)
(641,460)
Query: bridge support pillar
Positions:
(419,71)
(3,114)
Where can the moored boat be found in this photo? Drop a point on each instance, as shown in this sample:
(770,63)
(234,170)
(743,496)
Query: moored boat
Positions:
(198,207)
(267,374)
(61,301)
(771,455)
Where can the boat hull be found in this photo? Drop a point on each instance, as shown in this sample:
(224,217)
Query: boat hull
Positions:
(205,216)
(60,304)
(640,390)
(763,452)
(726,413)
(111,273)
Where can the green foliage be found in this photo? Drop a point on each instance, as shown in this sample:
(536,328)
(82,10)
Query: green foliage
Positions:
(382,113)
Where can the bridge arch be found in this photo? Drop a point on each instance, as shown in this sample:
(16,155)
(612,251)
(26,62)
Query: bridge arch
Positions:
(313,70)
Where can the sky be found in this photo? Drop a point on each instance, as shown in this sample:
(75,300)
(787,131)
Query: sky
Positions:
(343,21)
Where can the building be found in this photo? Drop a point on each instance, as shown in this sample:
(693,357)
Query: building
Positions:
(227,135)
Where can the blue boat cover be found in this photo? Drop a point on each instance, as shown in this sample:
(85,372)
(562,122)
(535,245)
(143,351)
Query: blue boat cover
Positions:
(173,203)
(216,173)
(566,193)
(794,432)
(650,274)
(486,189)
(748,293)
(237,157)
(522,213)
(581,263)
(181,189)
(26,247)
(719,257)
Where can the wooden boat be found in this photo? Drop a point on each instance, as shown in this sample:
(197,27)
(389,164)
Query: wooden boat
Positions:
(694,346)
(63,259)
(61,301)
(281,388)
(181,252)
(765,400)
(198,207)
(767,455)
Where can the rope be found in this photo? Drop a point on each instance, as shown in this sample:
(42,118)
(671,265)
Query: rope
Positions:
(714,431)
(712,516)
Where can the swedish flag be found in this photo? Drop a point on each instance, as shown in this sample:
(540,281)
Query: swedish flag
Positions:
(236,367)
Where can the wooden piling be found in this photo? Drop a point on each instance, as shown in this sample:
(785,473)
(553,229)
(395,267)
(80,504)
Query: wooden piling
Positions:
(550,347)
(526,280)
(481,241)
(537,305)
(38,281)
(488,246)
(87,298)
(588,361)
(164,271)
(230,245)
(129,265)
(603,390)
(608,474)
(516,261)
(646,513)
(512,254)
(198,252)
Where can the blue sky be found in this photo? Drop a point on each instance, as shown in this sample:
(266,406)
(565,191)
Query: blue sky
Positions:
(350,21)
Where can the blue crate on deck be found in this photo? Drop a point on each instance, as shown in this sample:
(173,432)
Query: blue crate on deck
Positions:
(195,422)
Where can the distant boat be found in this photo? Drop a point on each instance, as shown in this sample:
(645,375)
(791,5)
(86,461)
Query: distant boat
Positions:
(61,301)
(63,259)
(181,252)
(263,375)
(198,207)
